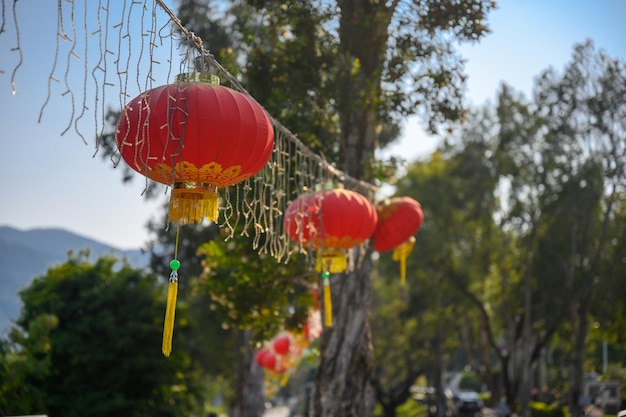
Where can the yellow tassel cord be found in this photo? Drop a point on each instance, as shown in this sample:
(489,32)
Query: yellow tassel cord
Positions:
(170,312)
(328,303)
(400,254)
(284,378)
(170,309)
(192,201)
(331,260)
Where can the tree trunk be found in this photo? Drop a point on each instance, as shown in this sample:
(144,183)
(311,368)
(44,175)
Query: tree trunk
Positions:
(389,411)
(347,358)
(579,324)
(526,360)
(249,396)
(507,383)
(440,397)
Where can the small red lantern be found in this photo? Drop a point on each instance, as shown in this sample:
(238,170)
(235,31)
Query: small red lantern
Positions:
(282,345)
(399,218)
(269,361)
(259,356)
(330,221)
(195,136)
(273,363)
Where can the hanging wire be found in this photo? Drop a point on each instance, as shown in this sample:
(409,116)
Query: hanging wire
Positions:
(196,42)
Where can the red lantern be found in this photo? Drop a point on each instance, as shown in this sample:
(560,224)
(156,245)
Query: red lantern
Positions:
(259,356)
(282,345)
(269,361)
(273,363)
(195,136)
(399,219)
(330,221)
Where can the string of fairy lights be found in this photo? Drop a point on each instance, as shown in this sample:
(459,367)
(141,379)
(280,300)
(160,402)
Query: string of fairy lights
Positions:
(106,52)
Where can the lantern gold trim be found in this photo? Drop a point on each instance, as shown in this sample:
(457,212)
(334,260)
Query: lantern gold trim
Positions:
(192,201)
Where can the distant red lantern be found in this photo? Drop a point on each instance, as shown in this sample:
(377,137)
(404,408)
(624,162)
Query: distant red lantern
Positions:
(281,345)
(399,218)
(269,361)
(259,356)
(330,221)
(195,136)
(273,363)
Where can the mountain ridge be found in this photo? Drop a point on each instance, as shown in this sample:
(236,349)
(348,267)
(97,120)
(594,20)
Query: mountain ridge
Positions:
(28,254)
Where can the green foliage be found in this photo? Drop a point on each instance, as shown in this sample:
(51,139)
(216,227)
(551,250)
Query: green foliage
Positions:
(89,345)
(248,290)
(411,408)
(470,382)
(541,409)
(319,66)
(24,361)
(411,325)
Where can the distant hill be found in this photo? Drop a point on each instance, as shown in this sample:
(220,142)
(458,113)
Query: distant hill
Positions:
(27,254)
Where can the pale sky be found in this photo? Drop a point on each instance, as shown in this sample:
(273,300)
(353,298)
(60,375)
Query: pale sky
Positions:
(49,180)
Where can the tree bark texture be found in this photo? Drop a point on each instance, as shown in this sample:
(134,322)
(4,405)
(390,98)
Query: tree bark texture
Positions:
(363,33)
(347,358)
(249,396)
(580,325)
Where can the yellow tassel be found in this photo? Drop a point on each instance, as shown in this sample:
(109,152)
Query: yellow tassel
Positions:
(284,378)
(331,260)
(400,254)
(328,303)
(170,311)
(191,202)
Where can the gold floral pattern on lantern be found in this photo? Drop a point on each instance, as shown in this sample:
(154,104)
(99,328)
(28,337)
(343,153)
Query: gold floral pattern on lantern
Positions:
(211,173)
(336,242)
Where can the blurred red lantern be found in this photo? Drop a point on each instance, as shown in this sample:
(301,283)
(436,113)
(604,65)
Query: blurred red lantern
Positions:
(281,345)
(259,356)
(269,361)
(273,363)
(330,221)
(195,136)
(399,218)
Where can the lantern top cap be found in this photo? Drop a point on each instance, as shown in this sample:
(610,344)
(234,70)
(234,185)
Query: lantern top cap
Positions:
(198,77)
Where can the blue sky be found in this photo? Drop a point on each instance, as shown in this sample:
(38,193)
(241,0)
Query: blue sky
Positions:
(49,180)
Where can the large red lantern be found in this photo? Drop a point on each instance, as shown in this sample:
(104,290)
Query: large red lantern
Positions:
(399,218)
(195,136)
(330,221)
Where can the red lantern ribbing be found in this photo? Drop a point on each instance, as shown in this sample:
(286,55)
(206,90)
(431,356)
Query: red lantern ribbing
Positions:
(399,218)
(195,136)
(330,221)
